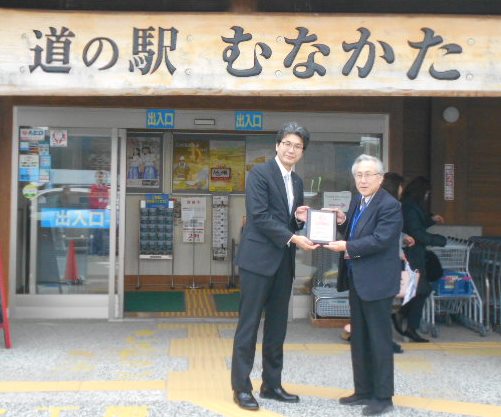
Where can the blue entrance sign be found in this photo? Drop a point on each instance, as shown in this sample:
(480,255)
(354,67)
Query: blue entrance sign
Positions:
(248,120)
(160,119)
(76,219)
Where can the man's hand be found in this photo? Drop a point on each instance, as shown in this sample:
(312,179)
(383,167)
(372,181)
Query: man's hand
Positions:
(340,216)
(304,243)
(337,246)
(302,213)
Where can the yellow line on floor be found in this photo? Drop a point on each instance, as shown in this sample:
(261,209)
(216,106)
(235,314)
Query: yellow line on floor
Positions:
(75,386)
(493,348)
(430,404)
(206,382)
(193,387)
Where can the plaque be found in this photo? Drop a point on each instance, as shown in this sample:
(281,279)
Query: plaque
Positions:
(321,226)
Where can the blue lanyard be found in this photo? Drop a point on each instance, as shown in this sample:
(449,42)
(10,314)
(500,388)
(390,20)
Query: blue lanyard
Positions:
(358,214)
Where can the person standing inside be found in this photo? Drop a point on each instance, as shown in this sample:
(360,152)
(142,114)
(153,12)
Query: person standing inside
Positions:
(417,218)
(266,256)
(394,184)
(369,266)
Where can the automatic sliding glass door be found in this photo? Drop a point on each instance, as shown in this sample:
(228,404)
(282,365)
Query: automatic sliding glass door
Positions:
(65,222)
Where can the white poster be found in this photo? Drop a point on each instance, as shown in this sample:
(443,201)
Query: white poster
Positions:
(194,231)
(193,208)
(32,133)
(59,138)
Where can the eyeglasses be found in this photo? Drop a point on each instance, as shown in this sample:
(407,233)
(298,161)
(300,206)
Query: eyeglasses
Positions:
(365,175)
(290,145)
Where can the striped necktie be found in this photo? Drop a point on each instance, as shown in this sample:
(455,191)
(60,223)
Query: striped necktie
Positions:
(363,204)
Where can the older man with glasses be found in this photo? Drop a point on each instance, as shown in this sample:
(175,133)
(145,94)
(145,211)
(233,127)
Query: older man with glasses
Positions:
(274,212)
(370,268)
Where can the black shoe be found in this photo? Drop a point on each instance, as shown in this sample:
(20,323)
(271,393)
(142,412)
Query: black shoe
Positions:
(378,407)
(245,400)
(413,335)
(355,399)
(397,348)
(278,394)
(397,322)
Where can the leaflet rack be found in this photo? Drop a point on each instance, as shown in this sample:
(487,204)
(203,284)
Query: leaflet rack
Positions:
(156,235)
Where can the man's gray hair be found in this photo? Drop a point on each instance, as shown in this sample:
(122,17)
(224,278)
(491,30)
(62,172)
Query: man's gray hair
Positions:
(369,158)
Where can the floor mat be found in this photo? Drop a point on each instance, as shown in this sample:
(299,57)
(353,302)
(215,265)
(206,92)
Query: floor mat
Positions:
(199,303)
(149,301)
(227,302)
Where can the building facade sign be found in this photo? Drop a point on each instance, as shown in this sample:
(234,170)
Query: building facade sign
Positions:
(62,53)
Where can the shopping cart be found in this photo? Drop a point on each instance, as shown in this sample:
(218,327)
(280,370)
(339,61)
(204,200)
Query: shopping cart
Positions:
(455,294)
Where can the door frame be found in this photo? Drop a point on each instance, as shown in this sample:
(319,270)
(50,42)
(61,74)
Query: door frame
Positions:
(59,306)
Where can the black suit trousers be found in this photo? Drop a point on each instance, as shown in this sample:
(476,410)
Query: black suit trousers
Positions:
(371,346)
(260,293)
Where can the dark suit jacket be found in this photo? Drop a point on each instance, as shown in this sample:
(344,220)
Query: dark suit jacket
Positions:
(416,221)
(374,248)
(269,225)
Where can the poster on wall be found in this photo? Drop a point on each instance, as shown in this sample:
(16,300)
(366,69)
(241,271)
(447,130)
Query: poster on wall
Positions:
(193,208)
(193,214)
(449,182)
(258,152)
(227,166)
(29,168)
(190,167)
(194,231)
(144,162)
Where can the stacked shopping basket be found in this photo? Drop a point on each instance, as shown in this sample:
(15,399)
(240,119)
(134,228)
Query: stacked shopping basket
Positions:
(328,302)
(454,294)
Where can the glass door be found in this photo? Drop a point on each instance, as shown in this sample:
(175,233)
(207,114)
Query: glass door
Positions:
(66,221)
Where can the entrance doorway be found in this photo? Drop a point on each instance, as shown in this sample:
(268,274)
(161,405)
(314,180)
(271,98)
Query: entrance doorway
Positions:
(66,222)
(76,244)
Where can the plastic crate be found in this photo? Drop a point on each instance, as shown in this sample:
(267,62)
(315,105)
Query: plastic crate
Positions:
(453,283)
(328,302)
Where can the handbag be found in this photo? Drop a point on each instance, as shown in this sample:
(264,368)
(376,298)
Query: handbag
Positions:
(433,267)
(408,283)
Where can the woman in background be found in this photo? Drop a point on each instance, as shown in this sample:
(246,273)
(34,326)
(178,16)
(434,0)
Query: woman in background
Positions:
(394,183)
(417,219)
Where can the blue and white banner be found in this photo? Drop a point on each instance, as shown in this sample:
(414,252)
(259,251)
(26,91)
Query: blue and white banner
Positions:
(75,218)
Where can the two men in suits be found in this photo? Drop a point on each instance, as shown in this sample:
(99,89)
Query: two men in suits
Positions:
(370,268)
(275,211)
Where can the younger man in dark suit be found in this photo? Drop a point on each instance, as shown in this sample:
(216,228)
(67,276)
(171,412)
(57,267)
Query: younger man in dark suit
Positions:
(370,268)
(273,201)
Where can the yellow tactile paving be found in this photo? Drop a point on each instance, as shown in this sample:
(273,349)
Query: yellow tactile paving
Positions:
(206,382)
(75,386)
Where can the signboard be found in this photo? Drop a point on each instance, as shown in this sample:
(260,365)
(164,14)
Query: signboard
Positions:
(75,218)
(449,182)
(157,200)
(160,119)
(80,53)
(339,199)
(194,231)
(248,120)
